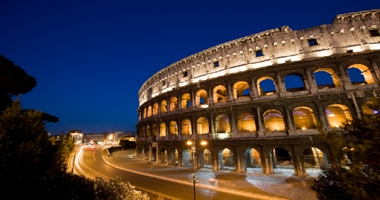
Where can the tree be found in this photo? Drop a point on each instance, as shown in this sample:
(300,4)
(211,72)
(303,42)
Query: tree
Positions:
(357,144)
(13,81)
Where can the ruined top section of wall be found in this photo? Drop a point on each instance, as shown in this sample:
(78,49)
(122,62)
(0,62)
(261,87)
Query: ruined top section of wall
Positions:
(357,16)
(348,33)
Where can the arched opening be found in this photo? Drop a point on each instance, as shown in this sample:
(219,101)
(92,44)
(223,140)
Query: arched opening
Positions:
(162,130)
(360,74)
(240,88)
(147,153)
(163,156)
(173,128)
(174,157)
(337,115)
(222,124)
(246,123)
(154,130)
(201,97)
(149,111)
(205,160)
(266,86)
(164,104)
(314,161)
(282,161)
(304,118)
(187,159)
(154,153)
(326,78)
(142,153)
(202,126)
(173,104)
(226,160)
(186,127)
(252,161)
(186,100)
(220,94)
(144,113)
(294,83)
(155,109)
(139,116)
(273,120)
(148,130)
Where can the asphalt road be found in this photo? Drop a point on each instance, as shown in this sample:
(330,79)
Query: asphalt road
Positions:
(90,163)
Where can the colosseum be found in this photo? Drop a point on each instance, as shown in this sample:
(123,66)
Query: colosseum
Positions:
(254,103)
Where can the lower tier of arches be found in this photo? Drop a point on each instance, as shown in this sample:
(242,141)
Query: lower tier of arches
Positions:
(297,156)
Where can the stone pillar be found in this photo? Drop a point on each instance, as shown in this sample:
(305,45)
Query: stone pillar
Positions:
(214,157)
(375,68)
(233,123)
(159,108)
(260,130)
(322,115)
(179,100)
(167,125)
(158,131)
(193,125)
(357,109)
(211,124)
(168,156)
(268,169)
(289,121)
(238,160)
(254,92)
(230,95)
(193,103)
(344,75)
(280,84)
(210,96)
(298,165)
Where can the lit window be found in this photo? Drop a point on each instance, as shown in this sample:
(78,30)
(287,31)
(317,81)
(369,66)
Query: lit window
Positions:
(350,51)
(163,83)
(185,74)
(312,42)
(216,64)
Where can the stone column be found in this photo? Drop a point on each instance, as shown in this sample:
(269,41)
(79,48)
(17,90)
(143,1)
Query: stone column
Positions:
(280,83)
(179,99)
(193,125)
(298,165)
(233,123)
(322,115)
(375,68)
(210,96)
(158,131)
(239,166)
(214,157)
(230,95)
(289,121)
(344,75)
(193,103)
(212,124)
(260,130)
(159,108)
(167,125)
(253,89)
(357,109)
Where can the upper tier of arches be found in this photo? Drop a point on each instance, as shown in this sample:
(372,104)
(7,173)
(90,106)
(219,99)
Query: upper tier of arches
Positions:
(265,50)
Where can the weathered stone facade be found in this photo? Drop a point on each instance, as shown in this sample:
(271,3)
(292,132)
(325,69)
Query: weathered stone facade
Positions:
(204,98)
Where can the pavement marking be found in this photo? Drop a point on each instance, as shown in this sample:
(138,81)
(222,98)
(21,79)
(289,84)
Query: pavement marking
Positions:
(220,189)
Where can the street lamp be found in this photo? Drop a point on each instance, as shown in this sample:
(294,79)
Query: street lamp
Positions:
(193,150)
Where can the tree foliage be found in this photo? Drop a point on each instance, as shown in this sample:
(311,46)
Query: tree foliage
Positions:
(13,81)
(357,144)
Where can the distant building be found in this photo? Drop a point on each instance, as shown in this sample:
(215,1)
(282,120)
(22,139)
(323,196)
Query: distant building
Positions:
(92,137)
(77,135)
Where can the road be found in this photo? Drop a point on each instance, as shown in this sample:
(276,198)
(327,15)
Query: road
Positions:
(89,162)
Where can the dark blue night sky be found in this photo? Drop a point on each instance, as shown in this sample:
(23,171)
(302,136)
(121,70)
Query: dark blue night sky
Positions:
(90,58)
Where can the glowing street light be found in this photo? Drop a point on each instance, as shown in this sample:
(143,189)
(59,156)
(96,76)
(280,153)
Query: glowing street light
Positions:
(193,146)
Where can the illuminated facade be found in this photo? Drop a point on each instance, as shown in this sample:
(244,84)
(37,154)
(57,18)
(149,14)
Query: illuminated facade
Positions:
(218,96)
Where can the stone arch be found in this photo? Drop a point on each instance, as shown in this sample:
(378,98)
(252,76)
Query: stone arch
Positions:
(173,104)
(205,159)
(220,94)
(187,159)
(294,82)
(337,114)
(154,153)
(239,88)
(282,161)
(222,124)
(186,100)
(164,105)
(252,161)
(155,108)
(202,126)
(201,97)
(271,83)
(273,120)
(186,127)
(154,130)
(163,156)
(368,109)
(321,73)
(226,160)
(174,157)
(173,128)
(144,113)
(149,111)
(304,118)
(314,161)
(365,72)
(246,123)
(162,130)
(148,130)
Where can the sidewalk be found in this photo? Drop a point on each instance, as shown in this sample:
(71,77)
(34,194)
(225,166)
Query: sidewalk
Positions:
(275,185)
